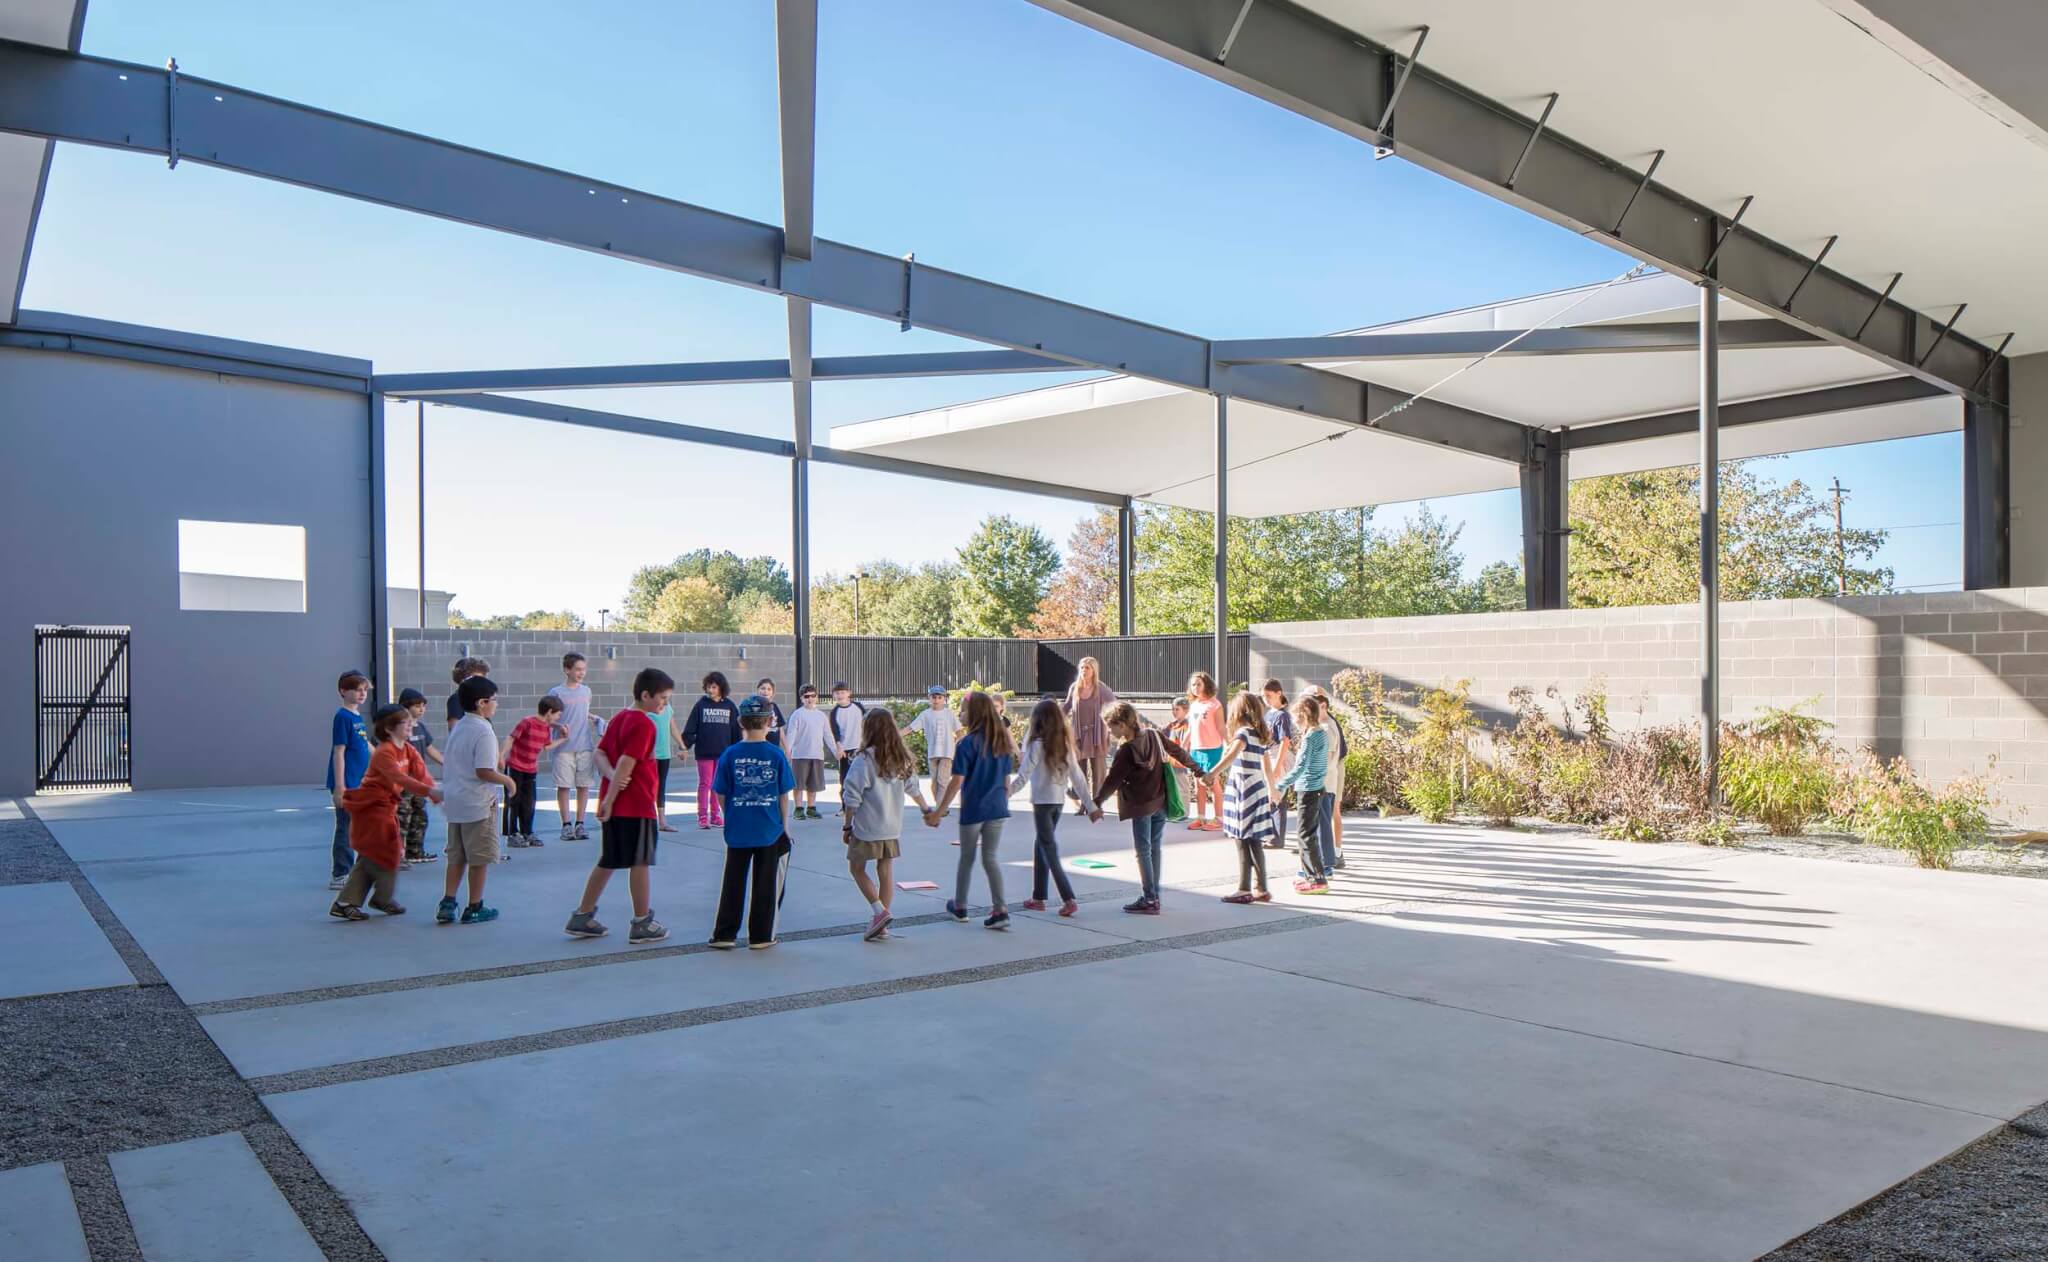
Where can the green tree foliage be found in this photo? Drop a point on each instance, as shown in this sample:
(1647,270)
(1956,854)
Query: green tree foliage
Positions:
(895,599)
(1499,587)
(1005,568)
(1635,540)
(757,613)
(690,604)
(731,574)
(1332,564)
(537,620)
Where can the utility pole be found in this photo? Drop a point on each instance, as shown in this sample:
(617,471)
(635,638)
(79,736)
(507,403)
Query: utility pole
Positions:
(858,575)
(1840,493)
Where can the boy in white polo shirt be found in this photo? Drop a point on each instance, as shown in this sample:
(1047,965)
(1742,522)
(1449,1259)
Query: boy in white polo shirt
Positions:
(576,761)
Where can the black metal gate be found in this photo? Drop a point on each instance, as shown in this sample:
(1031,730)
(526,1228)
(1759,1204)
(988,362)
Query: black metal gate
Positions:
(82,707)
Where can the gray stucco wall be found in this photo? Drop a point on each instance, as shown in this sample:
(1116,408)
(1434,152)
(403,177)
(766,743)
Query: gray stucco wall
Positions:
(102,459)
(525,664)
(1949,680)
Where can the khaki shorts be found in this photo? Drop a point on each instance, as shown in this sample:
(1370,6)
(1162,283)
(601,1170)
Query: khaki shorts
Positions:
(575,771)
(473,845)
(809,774)
(865,850)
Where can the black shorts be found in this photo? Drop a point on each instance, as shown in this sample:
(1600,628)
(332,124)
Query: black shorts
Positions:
(628,843)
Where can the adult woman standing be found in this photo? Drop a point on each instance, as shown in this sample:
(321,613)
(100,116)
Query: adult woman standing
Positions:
(1086,700)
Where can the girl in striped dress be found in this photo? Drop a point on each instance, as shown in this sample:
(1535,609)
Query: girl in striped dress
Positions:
(1246,773)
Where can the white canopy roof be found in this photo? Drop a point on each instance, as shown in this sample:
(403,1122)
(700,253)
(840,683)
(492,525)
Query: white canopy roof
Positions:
(1153,442)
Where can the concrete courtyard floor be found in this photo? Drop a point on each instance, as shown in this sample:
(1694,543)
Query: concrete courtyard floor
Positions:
(1482,1044)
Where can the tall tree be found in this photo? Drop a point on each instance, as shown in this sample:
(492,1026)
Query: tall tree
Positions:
(757,613)
(728,572)
(1005,567)
(534,620)
(1499,587)
(1635,540)
(1415,570)
(895,599)
(690,604)
(1082,600)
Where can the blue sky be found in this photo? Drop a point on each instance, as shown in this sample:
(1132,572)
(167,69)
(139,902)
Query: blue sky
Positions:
(992,138)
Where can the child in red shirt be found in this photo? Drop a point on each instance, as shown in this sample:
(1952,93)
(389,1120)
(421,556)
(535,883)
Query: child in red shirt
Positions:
(626,811)
(396,769)
(521,758)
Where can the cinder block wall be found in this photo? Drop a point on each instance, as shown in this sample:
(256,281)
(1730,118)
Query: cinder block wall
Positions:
(525,664)
(1949,680)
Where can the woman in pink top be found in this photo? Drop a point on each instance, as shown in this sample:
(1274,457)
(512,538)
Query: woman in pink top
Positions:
(1205,746)
(1086,702)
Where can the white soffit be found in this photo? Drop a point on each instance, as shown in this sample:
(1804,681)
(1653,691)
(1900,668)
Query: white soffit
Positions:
(1831,128)
(24,160)
(1153,442)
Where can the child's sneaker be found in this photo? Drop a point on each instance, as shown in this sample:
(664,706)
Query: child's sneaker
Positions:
(1033,904)
(342,911)
(956,911)
(517,841)
(647,930)
(568,832)
(762,946)
(1241,897)
(583,924)
(478,914)
(445,913)
(722,944)
(1069,907)
(580,834)
(335,883)
(998,919)
(389,909)
(878,925)
(532,840)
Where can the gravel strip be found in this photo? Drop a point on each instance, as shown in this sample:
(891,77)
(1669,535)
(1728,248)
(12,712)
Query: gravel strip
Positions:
(325,1214)
(102,1215)
(1989,1201)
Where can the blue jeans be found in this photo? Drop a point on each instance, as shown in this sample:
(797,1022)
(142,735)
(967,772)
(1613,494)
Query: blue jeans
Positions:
(344,858)
(1326,832)
(1146,832)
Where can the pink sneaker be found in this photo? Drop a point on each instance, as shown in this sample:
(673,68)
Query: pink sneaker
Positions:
(1033,904)
(1069,907)
(878,925)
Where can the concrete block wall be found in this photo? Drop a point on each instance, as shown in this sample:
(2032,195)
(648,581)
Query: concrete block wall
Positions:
(525,664)
(1949,680)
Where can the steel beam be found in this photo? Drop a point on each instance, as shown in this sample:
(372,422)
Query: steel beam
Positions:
(591,418)
(1987,492)
(966,477)
(1546,485)
(1861,394)
(383,688)
(1349,401)
(729,373)
(1294,58)
(1126,560)
(119,105)
(1220,520)
(53,331)
(1605,339)
(796,74)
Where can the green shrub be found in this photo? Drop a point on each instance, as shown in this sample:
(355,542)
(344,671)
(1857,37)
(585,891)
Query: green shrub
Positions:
(1711,830)
(1778,781)
(1497,795)
(1432,791)
(1571,782)
(1891,807)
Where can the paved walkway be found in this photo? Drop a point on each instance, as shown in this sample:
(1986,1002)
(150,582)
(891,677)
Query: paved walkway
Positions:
(1484,1044)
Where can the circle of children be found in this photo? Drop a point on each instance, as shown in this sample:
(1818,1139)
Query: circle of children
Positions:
(759,769)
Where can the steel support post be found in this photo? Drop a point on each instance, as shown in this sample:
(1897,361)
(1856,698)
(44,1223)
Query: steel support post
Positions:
(379,665)
(420,494)
(1987,491)
(1710,538)
(1126,559)
(800,561)
(1545,487)
(1222,544)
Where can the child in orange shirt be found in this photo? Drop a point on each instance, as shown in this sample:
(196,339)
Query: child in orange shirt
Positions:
(396,769)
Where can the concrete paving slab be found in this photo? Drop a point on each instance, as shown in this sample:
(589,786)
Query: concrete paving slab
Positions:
(208,1200)
(52,944)
(1102,1110)
(38,1220)
(276,1040)
(1921,985)
(307,828)
(152,802)
(277,936)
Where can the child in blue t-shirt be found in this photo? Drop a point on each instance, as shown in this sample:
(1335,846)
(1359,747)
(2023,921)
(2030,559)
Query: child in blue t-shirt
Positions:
(983,761)
(347,760)
(754,780)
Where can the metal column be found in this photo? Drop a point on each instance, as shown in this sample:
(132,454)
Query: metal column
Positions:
(1126,558)
(1222,544)
(379,666)
(1987,490)
(1545,487)
(800,555)
(420,490)
(1710,537)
